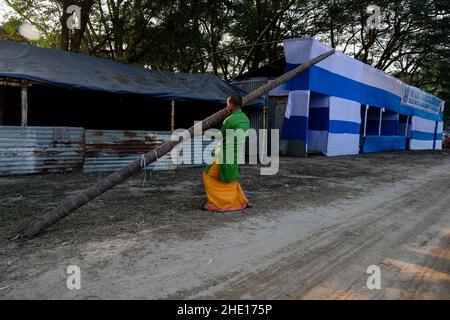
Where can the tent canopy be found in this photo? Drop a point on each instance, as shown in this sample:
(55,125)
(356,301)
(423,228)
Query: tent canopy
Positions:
(79,71)
(348,78)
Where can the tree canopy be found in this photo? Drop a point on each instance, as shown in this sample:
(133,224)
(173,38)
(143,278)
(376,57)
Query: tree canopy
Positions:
(230,37)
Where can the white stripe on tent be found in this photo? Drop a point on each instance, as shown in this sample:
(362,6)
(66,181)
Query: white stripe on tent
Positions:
(420,144)
(438,145)
(342,144)
(440,127)
(423,125)
(345,110)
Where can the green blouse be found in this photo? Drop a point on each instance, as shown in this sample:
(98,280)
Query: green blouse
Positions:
(236,120)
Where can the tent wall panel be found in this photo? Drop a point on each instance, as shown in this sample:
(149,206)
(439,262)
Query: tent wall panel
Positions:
(425,134)
(383,143)
(295,124)
(342,144)
(345,121)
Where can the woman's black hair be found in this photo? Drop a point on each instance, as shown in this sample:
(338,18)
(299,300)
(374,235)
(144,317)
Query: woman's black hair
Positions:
(236,100)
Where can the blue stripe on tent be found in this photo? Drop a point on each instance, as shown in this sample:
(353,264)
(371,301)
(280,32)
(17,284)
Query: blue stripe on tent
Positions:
(296,127)
(339,126)
(383,143)
(323,81)
(426,115)
(300,81)
(420,135)
(319,119)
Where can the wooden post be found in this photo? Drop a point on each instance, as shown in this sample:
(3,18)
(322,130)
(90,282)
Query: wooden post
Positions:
(2,104)
(381,119)
(172,116)
(365,120)
(24,91)
(264,136)
(406,127)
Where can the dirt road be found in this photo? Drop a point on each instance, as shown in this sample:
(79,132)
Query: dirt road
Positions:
(313,232)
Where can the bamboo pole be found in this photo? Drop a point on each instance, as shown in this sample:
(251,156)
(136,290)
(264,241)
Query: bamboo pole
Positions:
(86,195)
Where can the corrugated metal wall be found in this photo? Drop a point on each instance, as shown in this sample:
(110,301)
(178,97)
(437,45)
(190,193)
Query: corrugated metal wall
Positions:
(110,150)
(250,85)
(256,117)
(26,150)
(59,149)
(197,146)
(277,109)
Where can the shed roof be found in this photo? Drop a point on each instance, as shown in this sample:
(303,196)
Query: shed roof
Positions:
(79,71)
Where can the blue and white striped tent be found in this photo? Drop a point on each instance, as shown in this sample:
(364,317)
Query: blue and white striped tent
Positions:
(341,106)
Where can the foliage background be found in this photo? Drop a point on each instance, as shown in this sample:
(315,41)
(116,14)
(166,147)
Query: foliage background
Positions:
(230,37)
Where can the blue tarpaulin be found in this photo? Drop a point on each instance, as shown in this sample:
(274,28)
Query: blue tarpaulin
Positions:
(383,143)
(79,71)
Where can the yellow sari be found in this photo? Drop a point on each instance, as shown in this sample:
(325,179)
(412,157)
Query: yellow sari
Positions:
(222,196)
(222,189)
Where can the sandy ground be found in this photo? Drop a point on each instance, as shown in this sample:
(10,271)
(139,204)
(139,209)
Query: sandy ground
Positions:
(313,231)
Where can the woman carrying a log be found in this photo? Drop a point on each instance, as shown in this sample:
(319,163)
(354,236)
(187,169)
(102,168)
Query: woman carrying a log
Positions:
(220,178)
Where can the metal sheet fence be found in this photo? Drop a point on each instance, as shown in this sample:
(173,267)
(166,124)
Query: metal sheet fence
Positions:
(110,150)
(25,150)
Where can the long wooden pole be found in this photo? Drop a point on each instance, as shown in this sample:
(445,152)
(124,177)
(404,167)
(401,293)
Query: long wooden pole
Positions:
(86,195)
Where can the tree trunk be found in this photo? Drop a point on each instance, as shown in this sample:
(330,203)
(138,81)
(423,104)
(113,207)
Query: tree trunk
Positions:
(83,197)
(71,41)
(64,30)
(277,15)
(78,34)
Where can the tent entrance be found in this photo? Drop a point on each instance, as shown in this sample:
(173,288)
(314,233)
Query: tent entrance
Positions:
(381,130)
(318,123)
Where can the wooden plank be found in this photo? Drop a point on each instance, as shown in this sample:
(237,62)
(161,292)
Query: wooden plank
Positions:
(172,116)
(2,104)
(24,104)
